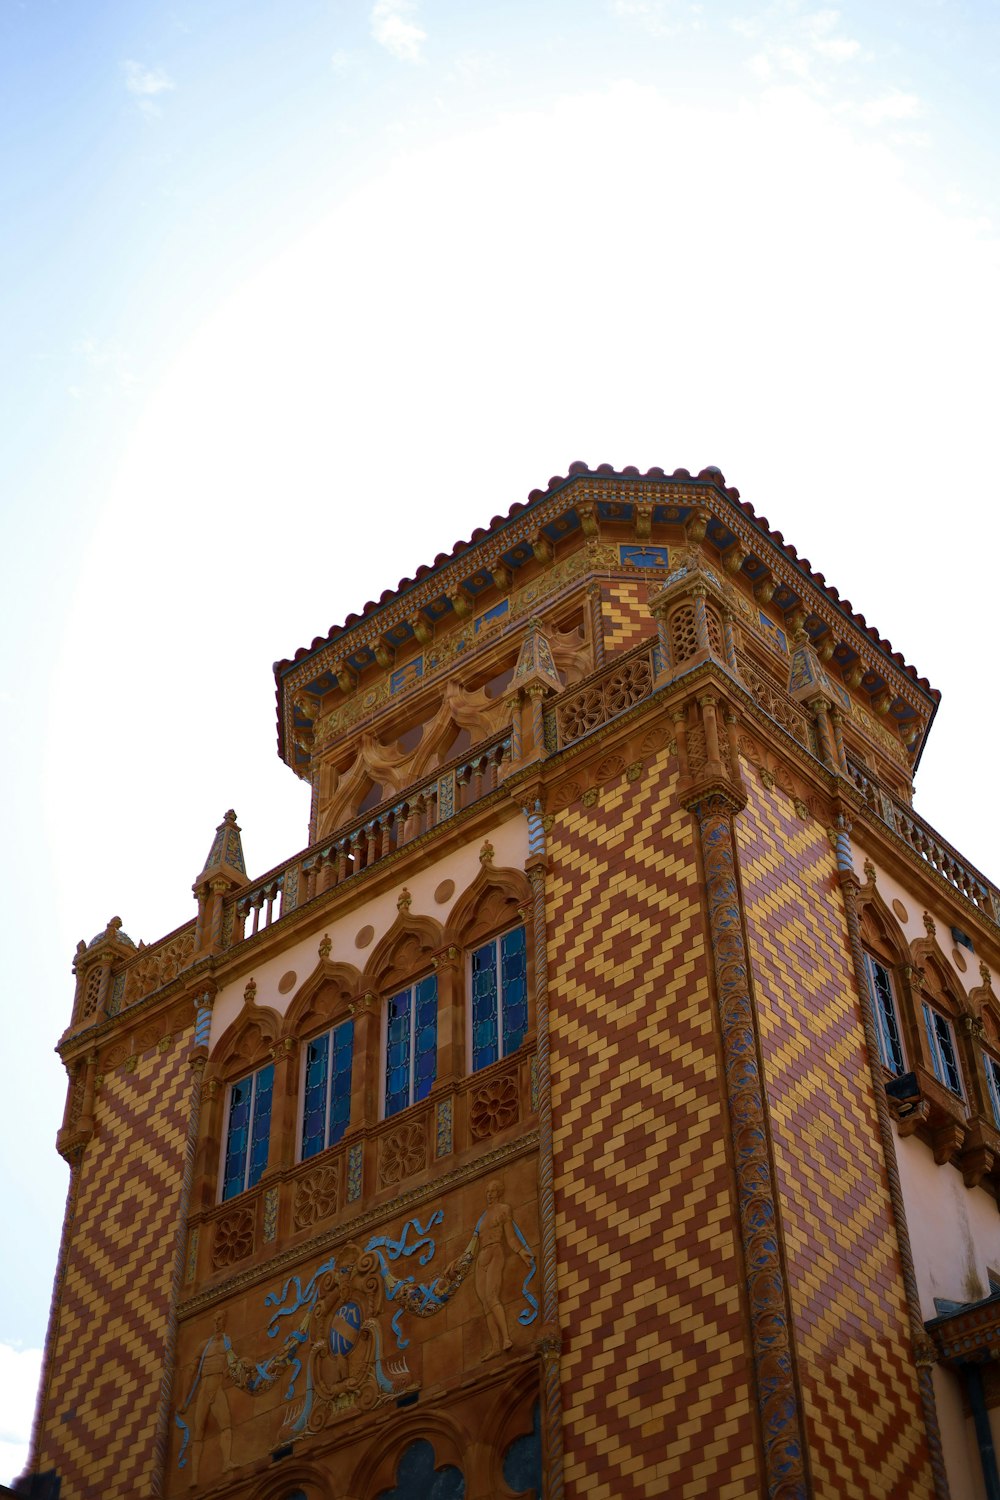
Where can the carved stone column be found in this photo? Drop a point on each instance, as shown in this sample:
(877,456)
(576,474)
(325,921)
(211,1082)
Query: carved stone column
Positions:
(450,1016)
(284,1107)
(778,1400)
(364,1069)
(549,1343)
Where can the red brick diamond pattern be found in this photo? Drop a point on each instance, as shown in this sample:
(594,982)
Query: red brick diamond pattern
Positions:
(862,1407)
(655,1364)
(100,1415)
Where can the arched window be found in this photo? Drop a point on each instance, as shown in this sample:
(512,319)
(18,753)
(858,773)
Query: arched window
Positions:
(403,977)
(417,1478)
(886,1008)
(938,1007)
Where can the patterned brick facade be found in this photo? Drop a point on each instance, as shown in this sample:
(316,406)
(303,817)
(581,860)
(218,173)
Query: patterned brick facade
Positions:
(655,1372)
(627,620)
(843,1261)
(106,1368)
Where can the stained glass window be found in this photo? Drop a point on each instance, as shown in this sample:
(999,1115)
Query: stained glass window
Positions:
(326,1108)
(248,1129)
(942,1048)
(886,1024)
(499,997)
(993,1084)
(411,1045)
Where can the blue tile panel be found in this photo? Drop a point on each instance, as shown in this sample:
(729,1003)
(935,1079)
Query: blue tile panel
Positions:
(327,1106)
(642,557)
(411,1045)
(403,676)
(499,998)
(247,1131)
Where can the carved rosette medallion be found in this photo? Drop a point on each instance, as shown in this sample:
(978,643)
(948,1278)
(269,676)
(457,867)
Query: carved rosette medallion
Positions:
(402,1153)
(233,1239)
(494,1107)
(317,1196)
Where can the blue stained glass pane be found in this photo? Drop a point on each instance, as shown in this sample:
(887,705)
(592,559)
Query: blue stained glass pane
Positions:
(234,1169)
(425,1041)
(397,1054)
(485,1021)
(314,1116)
(340,1080)
(514,980)
(261,1129)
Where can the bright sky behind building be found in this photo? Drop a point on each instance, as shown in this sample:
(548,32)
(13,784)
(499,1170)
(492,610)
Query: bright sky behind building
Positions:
(294,296)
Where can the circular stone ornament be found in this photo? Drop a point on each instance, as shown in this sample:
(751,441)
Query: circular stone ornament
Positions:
(365,936)
(900,910)
(444,892)
(287,982)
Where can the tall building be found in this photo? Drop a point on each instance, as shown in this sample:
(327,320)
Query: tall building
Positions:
(604,1102)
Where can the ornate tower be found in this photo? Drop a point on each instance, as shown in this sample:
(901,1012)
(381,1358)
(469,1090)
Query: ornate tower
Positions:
(569,1116)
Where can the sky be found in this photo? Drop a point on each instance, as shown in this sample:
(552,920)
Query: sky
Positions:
(294,297)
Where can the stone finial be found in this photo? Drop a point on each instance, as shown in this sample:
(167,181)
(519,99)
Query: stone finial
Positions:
(535,664)
(113,927)
(870,875)
(929,927)
(405,900)
(984,974)
(486,853)
(325,947)
(225,857)
(250,994)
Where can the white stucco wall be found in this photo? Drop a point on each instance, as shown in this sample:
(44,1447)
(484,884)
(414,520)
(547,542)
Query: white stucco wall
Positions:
(510,844)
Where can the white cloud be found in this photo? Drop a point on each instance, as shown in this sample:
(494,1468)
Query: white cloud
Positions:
(661,18)
(19,1371)
(146,84)
(895,105)
(395,30)
(797,45)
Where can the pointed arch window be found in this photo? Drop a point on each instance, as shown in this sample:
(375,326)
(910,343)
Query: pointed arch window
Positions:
(248,1129)
(890,1043)
(941,1043)
(499,995)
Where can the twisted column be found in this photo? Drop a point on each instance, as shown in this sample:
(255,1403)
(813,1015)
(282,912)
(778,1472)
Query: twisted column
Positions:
(770,1309)
(552,1417)
(923,1349)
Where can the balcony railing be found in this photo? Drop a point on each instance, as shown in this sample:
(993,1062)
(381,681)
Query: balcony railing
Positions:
(923,840)
(365,842)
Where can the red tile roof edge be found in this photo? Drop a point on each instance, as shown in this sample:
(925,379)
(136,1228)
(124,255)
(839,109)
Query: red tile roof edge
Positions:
(709,475)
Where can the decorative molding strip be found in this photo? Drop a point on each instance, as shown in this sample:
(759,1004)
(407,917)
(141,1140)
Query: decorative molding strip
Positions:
(770,1310)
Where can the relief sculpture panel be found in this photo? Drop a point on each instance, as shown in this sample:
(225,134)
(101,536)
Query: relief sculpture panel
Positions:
(417,1305)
